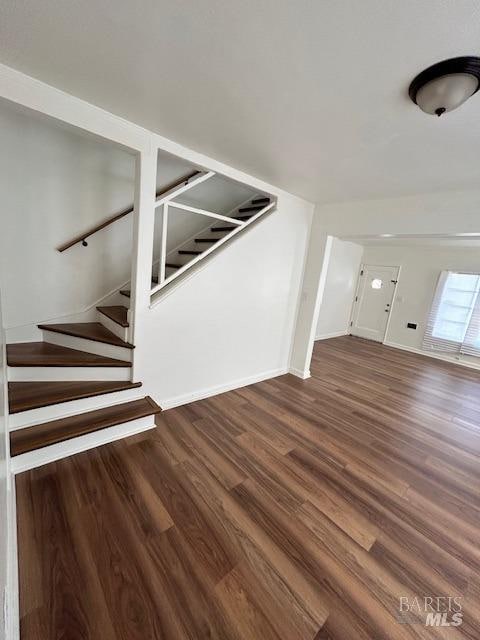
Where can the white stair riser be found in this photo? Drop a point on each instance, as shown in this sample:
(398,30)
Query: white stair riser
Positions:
(91,346)
(60,374)
(120,332)
(73,407)
(37,458)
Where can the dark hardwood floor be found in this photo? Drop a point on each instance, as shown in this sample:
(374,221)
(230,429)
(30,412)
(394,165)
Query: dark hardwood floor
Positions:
(289,509)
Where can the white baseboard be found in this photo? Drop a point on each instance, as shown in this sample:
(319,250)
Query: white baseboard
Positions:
(12,622)
(177,401)
(304,375)
(437,356)
(335,334)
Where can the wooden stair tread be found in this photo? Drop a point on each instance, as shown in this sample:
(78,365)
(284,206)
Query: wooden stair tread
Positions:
(24,396)
(171,265)
(48,433)
(44,354)
(127,292)
(212,240)
(263,201)
(252,208)
(89,331)
(243,217)
(184,252)
(117,313)
(221,229)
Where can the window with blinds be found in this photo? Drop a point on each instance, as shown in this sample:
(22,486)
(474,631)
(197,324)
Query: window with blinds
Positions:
(454,321)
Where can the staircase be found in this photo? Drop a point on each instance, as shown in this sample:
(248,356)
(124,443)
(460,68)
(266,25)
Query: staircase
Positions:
(205,242)
(73,390)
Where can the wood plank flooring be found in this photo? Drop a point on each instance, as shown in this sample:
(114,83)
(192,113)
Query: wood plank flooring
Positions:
(290,509)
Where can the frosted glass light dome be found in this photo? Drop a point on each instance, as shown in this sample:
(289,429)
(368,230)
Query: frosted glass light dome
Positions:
(446,85)
(446,93)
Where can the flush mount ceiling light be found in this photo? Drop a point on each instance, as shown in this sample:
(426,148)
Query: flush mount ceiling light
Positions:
(446,85)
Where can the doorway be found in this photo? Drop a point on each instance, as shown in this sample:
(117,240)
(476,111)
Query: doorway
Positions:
(373,301)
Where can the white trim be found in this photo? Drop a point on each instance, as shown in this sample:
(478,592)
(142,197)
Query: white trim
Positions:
(393,304)
(163,245)
(13,598)
(335,334)
(178,401)
(311,298)
(146,166)
(112,326)
(90,346)
(298,373)
(437,356)
(210,214)
(176,191)
(60,374)
(37,458)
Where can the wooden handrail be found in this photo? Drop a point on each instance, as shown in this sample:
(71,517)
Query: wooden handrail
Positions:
(83,237)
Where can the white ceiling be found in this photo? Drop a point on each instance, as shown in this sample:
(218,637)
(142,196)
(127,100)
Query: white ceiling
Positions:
(310,95)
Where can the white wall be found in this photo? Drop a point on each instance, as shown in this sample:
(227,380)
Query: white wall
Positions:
(420,268)
(340,285)
(232,323)
(56,182)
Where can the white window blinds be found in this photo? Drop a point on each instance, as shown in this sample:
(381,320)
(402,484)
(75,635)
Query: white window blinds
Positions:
(454,321)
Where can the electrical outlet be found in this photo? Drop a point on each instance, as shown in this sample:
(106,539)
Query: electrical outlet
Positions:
(411,325)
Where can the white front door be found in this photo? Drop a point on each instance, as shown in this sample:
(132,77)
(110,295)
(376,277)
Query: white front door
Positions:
(373,302)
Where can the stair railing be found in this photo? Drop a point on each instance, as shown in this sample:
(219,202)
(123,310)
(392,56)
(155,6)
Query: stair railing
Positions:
(180,185)
(167,203)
